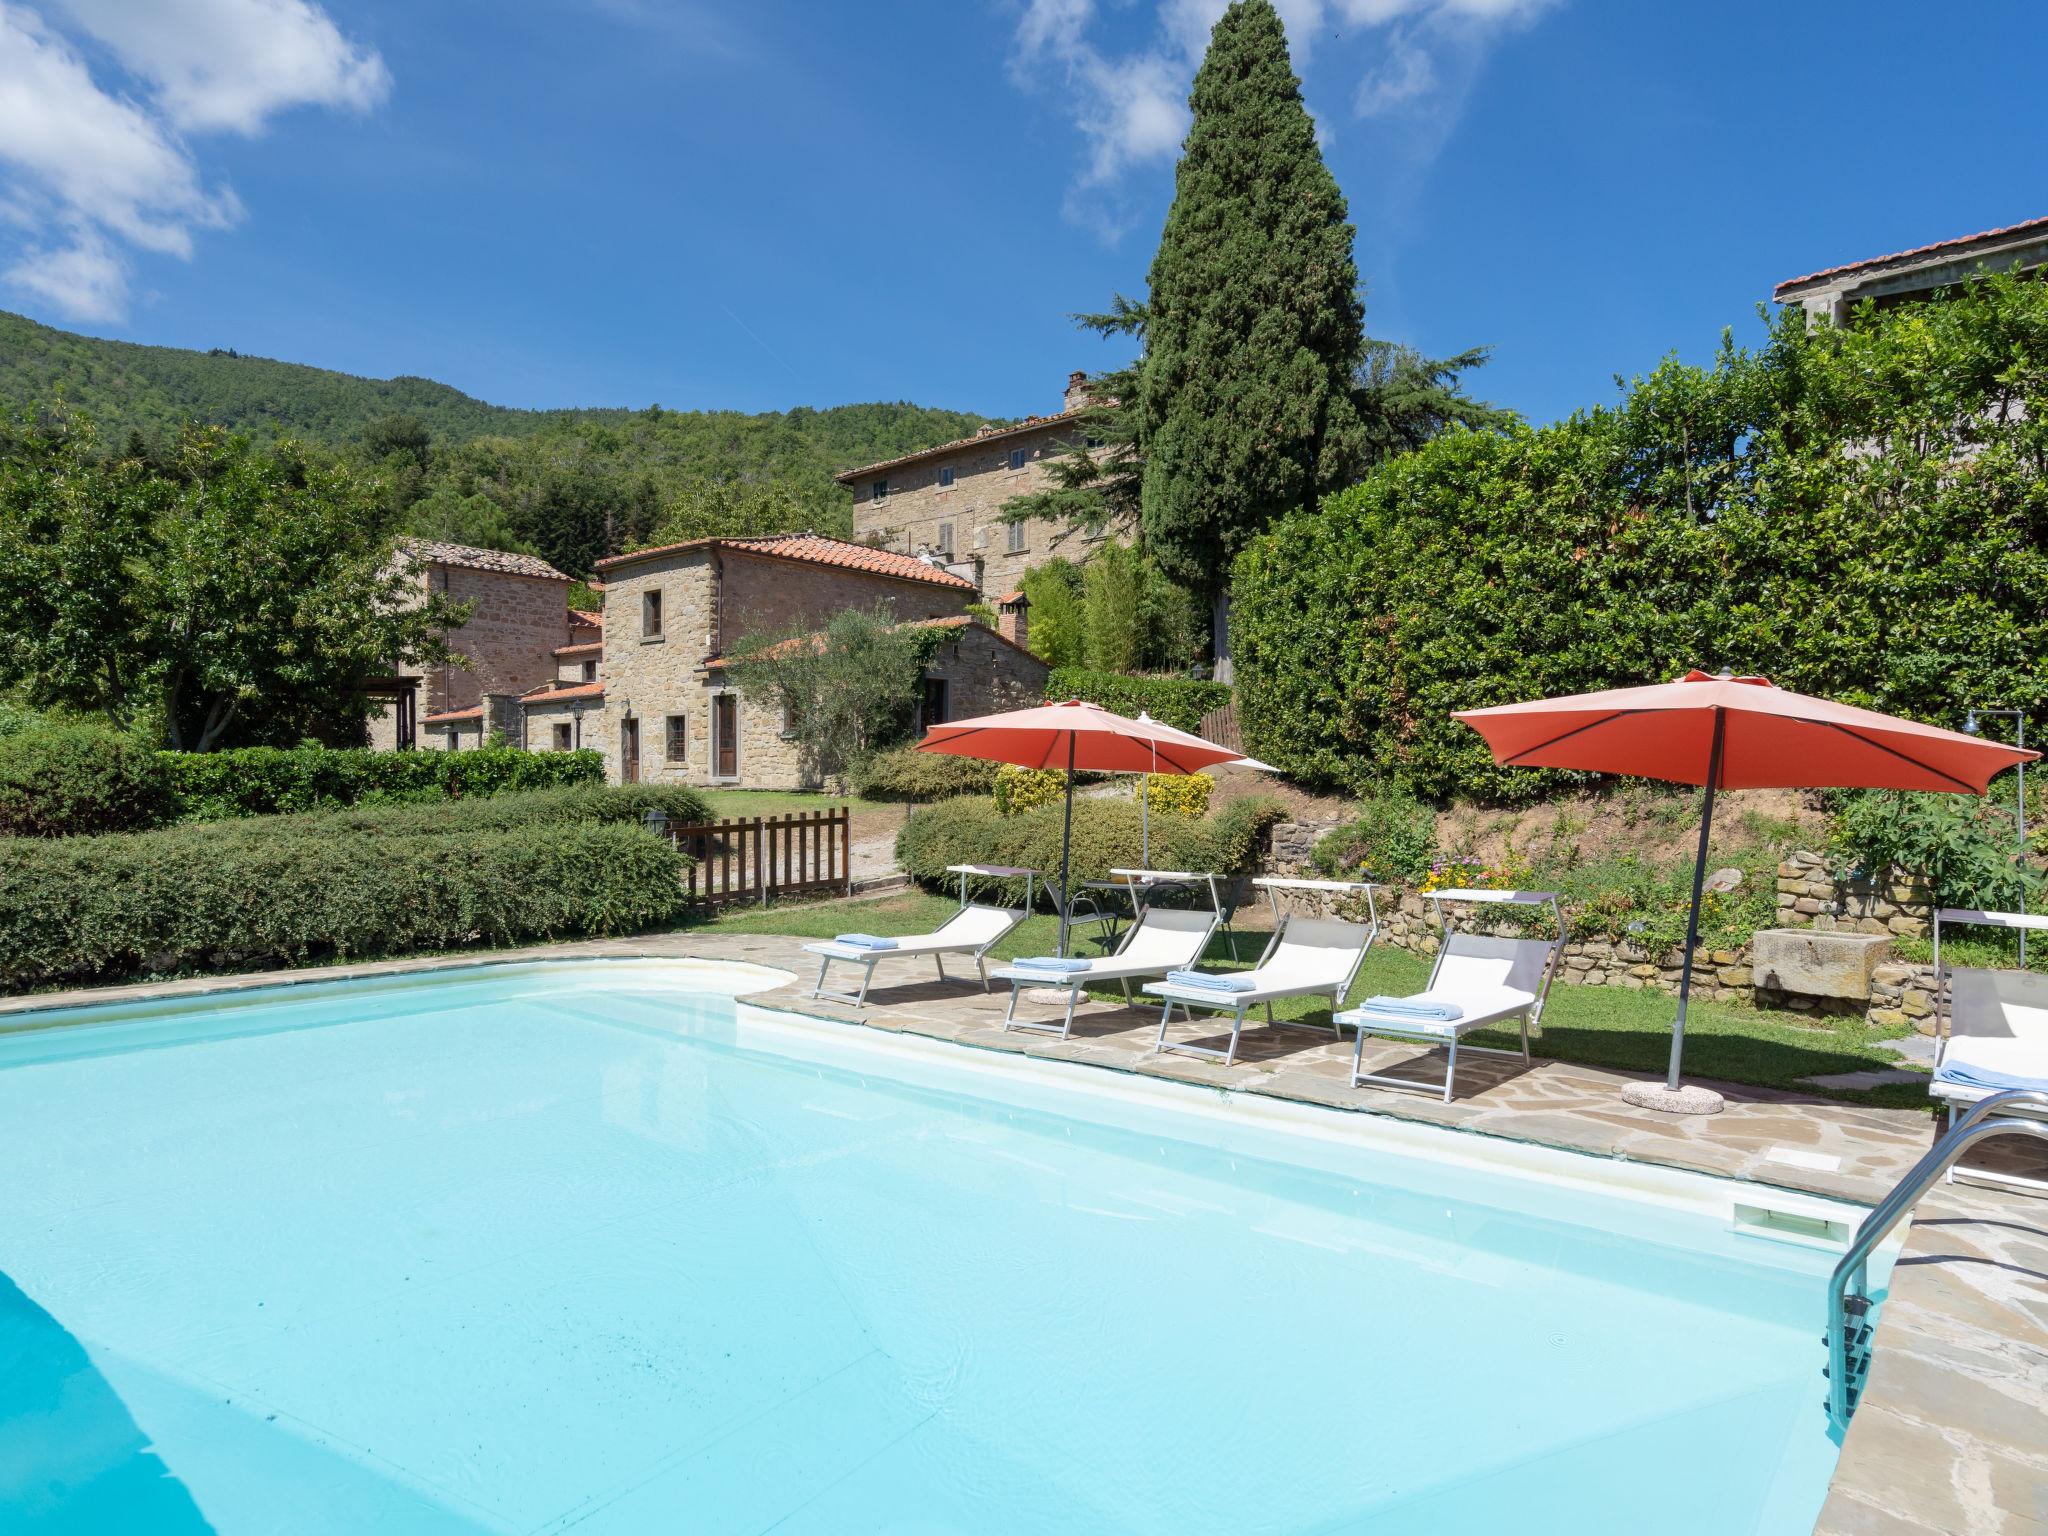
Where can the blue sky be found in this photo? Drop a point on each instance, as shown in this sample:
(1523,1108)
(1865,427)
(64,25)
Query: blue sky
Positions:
(782,202)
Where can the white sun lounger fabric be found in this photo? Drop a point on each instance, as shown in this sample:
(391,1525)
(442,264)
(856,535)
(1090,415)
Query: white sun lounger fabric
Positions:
(1308,957)
(1486,980)
(1991,1034)
(972,931)
(1163,939)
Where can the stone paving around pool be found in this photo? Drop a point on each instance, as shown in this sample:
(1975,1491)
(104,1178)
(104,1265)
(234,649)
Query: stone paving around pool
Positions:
(1952,1432)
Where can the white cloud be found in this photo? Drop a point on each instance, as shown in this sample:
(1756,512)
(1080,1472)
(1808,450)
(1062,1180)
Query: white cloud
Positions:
(89,171)
(1405,59)
(228,64)
(83,279)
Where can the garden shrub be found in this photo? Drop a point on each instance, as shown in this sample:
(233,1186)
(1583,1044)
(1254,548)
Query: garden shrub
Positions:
(61,780)
(265,781)
(1018,790)
(628,803)
(1964,847)
(1107,835)
(1178,794)
(908,774)
(1392,840)
(1855,512)
(211,897)
(1176,701)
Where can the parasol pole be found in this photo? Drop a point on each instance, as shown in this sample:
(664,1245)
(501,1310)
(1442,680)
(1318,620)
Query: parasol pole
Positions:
(1692,918)
(1066,845)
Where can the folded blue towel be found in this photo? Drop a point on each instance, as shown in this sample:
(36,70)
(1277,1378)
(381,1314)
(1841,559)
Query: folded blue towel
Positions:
(865,941)
(1413,1008)
(1066,966)
(1964,1075)
(1227,982)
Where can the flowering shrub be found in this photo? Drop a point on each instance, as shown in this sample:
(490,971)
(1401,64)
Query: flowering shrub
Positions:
(1182,794)
(1471,874)
(1026,789)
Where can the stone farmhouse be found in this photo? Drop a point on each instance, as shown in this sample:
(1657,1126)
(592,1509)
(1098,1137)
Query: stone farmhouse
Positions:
(1909,276)
(943,502)
(647,682)
(520,617)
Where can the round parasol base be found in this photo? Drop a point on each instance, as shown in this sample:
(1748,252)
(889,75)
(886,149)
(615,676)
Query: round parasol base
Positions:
(1051,997)
(1687,1099)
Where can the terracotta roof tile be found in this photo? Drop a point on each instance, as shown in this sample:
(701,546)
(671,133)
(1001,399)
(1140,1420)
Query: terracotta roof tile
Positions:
(1014,596)
(580,619)
(815,549)
(467,555)
(988,434)
(547,693)
(581,648)
(454,716)
(1958,245)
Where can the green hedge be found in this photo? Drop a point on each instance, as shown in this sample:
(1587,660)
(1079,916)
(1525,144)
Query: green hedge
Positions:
(60,780)
(219,897)
(1857,513)
(627,803)
(907,774)
(1107,835)
(1177,701)
(264,781)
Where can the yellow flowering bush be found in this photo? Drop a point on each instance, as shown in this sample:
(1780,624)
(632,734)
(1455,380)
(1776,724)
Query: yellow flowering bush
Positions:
(1182,794)
(1026,789)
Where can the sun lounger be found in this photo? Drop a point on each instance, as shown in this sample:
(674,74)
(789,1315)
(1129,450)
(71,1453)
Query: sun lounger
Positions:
(1307,957)
(1478,981)
(971,932)
(1991,1034)
(1161,940)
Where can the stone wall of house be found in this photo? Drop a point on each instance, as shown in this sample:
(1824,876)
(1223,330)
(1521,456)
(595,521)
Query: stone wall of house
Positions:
(1901,992)
(986,674)
(510,638)
(761,596)
(589,727)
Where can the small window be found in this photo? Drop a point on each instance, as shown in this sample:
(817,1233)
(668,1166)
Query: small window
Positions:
(935,692)
(945,545)
(1091,442)
(562,738)
(788,721)
(1016,532)
(650,613)
(946,477)
(678,739)
(590,671)
(1017,457)
(879,491)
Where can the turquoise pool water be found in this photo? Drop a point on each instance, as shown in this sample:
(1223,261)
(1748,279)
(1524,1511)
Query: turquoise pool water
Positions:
(597,1248)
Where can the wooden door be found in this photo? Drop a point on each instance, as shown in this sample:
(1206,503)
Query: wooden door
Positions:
(725,728)
(629,751)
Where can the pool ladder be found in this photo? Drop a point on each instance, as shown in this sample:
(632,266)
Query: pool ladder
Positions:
(1849,1329)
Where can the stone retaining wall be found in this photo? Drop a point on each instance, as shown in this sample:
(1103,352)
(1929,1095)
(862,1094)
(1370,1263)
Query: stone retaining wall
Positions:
(1901,992)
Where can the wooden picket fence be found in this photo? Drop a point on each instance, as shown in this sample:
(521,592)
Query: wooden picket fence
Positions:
(760,859)
(1220,726)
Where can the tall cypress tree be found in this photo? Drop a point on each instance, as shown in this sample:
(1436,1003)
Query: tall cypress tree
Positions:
(1253,325)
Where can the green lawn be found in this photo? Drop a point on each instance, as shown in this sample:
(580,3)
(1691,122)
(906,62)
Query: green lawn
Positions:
(1598,1026)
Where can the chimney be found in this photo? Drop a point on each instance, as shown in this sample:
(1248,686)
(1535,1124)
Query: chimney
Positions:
(1013,615)
(1077,391)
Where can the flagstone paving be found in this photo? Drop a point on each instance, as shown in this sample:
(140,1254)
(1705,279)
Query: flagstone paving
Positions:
(1952,1432)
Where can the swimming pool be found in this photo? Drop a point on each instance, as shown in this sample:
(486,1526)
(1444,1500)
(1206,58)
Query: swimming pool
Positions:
(598,1247)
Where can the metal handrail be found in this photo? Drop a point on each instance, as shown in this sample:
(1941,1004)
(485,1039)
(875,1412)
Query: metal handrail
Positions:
(1975,1126)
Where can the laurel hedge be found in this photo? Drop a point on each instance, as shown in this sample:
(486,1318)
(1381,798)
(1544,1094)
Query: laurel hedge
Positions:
(1860,513)
(266,781)
(1176,701)
(259,892)
(904,773)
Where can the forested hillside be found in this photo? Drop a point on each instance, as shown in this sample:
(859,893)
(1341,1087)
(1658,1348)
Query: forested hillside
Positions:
(571,485)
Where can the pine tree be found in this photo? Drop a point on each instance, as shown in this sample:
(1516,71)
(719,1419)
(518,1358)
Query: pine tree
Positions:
(1253,324)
